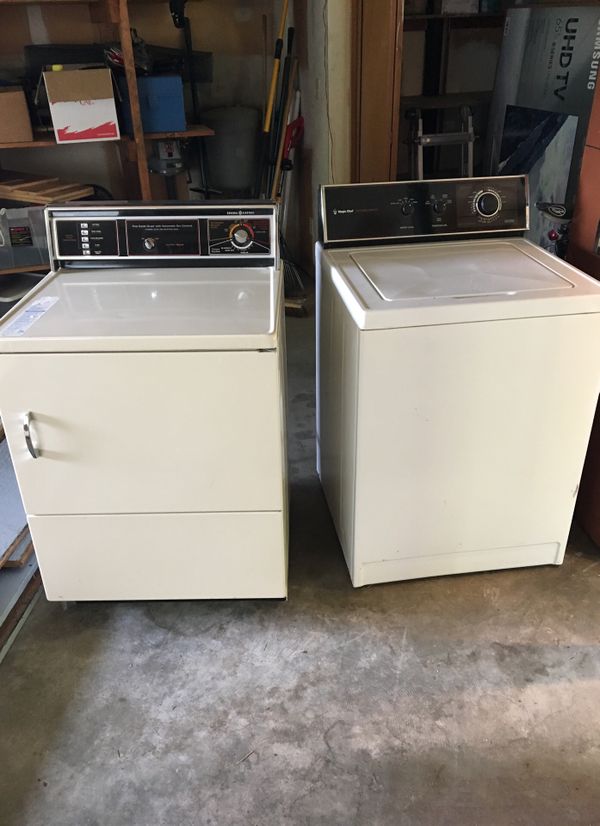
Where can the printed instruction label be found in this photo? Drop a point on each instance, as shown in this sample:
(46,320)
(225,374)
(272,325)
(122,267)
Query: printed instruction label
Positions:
(20,236)
(21,323)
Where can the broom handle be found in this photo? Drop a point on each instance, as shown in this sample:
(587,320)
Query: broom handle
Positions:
(286,115)
(275,71)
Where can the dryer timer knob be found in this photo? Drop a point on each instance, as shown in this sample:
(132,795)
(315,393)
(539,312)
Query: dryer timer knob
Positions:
(241,236)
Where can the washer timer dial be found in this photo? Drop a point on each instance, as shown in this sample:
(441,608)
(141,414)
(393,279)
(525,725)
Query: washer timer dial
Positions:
(487,203)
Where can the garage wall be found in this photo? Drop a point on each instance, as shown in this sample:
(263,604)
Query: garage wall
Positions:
(324,43)
(232,30)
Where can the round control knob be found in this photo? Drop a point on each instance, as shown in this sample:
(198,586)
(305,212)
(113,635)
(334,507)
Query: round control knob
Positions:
(488,204)
(241,236)
(439,207)
(149,243)
(407,208)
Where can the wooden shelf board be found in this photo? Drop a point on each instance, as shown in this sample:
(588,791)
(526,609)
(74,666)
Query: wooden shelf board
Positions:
(18,614)
(18,270)
(46,2)
(12,584)
(419,22)
(448,101)
(472,16)
(190,132)
(34,144)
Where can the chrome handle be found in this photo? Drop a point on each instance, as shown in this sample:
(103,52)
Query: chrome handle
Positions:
(27,434)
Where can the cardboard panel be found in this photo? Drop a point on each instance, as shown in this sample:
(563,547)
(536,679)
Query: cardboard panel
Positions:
(92,84)
(82,105)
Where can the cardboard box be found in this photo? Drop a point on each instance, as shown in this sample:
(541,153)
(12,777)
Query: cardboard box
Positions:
(82,105)
(545,83)
(15,126)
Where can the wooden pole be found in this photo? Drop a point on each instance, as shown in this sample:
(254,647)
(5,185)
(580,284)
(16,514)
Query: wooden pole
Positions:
(134,102)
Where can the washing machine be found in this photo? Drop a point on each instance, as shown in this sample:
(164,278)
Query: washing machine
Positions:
(142,387)
(457,378)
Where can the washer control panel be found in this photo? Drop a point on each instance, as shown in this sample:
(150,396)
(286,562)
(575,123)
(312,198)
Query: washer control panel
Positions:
(418,209)
(199,234)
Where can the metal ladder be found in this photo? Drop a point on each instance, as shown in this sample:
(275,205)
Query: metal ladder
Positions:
(418,141)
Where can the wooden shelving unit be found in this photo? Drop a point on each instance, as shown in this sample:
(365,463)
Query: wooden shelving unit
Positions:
(113,14)
(435,101)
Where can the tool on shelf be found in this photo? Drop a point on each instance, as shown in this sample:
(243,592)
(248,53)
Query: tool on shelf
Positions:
(293,137)
(279,117)
(289,98)
(182,21)
(294,274)
(166,160)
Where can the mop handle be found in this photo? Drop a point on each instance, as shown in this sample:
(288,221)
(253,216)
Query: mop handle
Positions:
(275,72)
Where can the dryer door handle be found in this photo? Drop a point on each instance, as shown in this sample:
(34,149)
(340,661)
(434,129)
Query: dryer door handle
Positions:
(27,433)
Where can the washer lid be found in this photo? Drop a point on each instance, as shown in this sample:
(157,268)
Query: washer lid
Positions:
(455,272)
(454,282)
(220,308)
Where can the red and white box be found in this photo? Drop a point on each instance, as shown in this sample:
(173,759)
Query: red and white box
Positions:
(82,105)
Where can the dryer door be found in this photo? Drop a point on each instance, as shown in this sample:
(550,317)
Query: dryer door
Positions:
(144,432)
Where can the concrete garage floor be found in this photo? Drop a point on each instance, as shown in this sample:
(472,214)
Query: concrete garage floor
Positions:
(462,700)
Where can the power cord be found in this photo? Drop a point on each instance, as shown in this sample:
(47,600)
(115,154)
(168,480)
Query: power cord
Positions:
(330,164)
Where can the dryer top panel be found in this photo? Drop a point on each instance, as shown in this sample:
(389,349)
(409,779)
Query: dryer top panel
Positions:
(200,234)
(147,309)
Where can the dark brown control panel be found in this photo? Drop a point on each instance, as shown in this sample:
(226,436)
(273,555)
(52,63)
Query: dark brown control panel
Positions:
(179,234)
(418,209)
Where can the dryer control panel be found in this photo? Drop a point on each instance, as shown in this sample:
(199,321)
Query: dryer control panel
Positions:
(204,234)
(402,210)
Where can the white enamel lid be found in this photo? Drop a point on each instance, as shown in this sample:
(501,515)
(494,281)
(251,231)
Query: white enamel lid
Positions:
(455,282)
(442,271)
